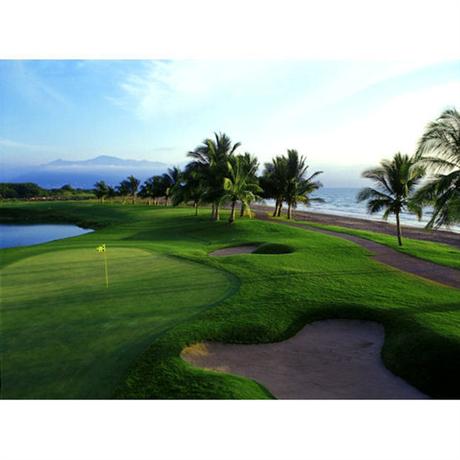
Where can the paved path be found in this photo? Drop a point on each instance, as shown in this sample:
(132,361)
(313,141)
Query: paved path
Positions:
(429,270)
(331,359)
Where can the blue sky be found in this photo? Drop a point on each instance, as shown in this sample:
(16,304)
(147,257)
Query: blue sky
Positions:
(341,114)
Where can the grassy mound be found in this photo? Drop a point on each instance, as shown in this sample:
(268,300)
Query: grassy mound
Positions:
(274,248)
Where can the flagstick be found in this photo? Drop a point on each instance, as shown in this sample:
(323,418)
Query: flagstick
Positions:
(106,270)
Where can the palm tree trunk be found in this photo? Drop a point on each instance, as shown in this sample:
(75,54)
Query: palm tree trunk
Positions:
(195,205)
(275,212)
(242,209)
(232,213)
(398,228)
(289,213)
(280,207)
(216,212)
(213,211)
(166,201)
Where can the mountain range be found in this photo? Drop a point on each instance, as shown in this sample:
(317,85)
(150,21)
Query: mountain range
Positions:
(83,174)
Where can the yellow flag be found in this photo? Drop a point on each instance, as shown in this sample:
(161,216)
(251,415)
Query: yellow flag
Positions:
(101,249)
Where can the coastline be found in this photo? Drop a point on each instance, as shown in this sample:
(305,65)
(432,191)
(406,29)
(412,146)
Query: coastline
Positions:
(438,236)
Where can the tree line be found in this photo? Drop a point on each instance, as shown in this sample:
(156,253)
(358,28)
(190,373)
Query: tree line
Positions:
(29,190)
(218,175)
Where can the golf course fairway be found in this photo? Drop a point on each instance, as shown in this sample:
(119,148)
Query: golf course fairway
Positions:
(65,335)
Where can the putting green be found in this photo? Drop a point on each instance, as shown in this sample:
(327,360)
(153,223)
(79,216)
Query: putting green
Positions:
(65,335)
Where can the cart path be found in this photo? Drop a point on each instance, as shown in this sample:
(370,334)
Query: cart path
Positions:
(330,359)
(404,262)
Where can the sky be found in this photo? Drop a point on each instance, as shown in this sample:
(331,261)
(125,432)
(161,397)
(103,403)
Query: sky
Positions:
(344,115)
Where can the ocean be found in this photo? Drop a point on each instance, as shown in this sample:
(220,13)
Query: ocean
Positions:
(342,202)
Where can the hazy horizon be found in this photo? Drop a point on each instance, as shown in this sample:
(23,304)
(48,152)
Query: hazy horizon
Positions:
(343,115)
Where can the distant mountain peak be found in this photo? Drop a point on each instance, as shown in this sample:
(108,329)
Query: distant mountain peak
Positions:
(105,160)
(85,173)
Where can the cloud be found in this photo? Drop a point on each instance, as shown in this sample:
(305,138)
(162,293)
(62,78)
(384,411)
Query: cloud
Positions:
(394,126)
(25,78)
(167,88)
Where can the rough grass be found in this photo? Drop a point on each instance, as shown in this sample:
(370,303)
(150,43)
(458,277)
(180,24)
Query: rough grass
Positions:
(325,277)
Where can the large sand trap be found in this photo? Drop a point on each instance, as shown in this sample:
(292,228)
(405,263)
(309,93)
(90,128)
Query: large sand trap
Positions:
(248,249)
(332,359)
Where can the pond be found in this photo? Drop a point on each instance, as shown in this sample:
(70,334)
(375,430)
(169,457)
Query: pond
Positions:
(12,236)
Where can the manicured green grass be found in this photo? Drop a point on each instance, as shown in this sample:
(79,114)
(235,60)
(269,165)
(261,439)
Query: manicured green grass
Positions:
(169,299)
(67,336)
(442,254)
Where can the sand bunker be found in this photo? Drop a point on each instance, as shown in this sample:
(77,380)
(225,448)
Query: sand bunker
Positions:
(333,359)
(248,249)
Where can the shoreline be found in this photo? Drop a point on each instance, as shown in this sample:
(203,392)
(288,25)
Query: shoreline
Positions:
(438,236)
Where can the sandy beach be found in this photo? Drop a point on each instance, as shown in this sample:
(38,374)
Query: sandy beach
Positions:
(440,236)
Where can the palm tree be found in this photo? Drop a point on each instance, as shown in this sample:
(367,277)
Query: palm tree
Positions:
(250,165)
(192,188)
(170,181)
(439,150)
(123,190)
(101,190)
(211,158)
(133,185)
(395,180)
(111,192)
(128,187)
(152,189)
(240,184)
(273,182)
(298,188)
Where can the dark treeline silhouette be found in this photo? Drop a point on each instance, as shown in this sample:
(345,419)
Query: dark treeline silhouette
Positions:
(31,191)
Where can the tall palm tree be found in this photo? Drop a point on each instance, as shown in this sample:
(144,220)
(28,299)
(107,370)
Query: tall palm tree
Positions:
(212,158)
(101,190)
(298,188)
(439,150)
(128,187)
(240,184)
(133,187)
(170,181)
(111,192)
(250,165)
(192,188)
(152,189)
(273,182)
(395,182)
